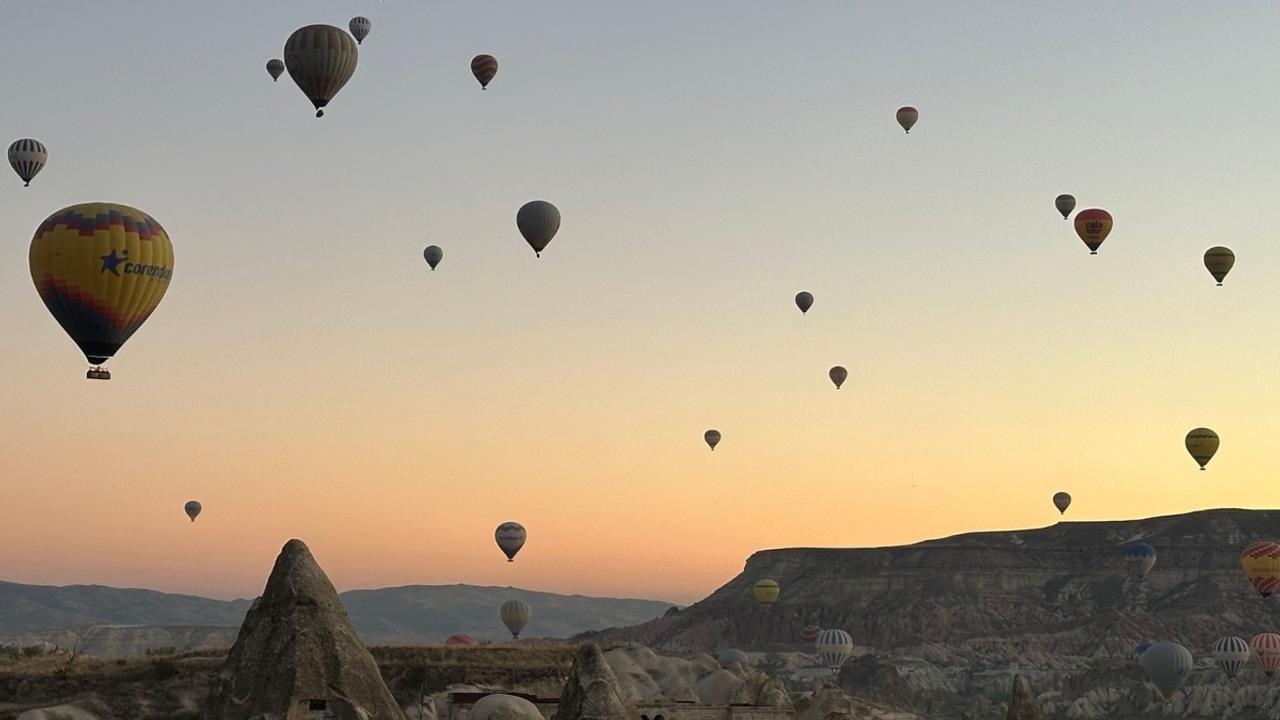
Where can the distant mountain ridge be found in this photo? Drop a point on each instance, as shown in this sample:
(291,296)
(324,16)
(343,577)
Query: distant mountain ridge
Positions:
(113,618)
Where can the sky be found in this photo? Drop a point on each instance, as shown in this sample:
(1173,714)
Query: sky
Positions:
(307,376)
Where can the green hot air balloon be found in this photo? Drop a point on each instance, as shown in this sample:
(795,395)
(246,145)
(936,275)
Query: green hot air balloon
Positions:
(538,222)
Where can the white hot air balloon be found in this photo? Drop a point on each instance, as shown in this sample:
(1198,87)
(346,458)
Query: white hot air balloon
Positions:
(834,647)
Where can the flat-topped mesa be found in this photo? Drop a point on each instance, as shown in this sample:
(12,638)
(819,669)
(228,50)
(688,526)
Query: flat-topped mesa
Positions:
(297,655)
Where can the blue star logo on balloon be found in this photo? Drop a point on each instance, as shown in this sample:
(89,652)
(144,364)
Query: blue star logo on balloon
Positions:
(101,299)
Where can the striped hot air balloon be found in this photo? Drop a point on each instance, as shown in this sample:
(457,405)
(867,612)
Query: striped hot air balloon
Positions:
(1203,444)
(101,269)
(834,647)
(275,68)
(515,614)
(484,67)
(1266,651)
(1261,563)
(27,157)
(320,59)
(1139,558)
(360,27)
(810,633)
(1231,654)
(1167,665)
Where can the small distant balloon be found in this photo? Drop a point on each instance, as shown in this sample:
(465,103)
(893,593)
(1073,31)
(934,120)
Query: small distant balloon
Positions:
(1139,558)
(804,301)
(1266,650)
(1167,665)
(461,641)
(510,537)
(433,255)
(1062,501)
(275,68)
(320,59)
(1219,261)
(1231,654)
(810,633)
(1065,204)
(1261,563)
(484,67)
(834,648)
(192,509)
(515,614)
(838,375)
(1093,226)
(360,27)
(1139,649)
(729,656)
(907,117)
(766,592)
(538,222)
(1202,443)
(27,157)
(712,437)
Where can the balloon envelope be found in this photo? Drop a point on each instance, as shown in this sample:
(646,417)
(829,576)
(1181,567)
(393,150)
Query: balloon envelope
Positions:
(1167,665)
(733,655)
(1141,648)
(360,27)
(538,222)
(1093,226)
(275,68)
(101,269)
(461,641)
(484,67)
(510,537)
(27,157)
(1202,443)
(838,375)
(1062,501)
(1219,261)
(804,301)
(834,647)
(766,592)
(907,117)
(433,255)
(1139,558)
(1065,204)
(1266,650)
(192,509)
(515,614)
(320,59)
(712,437)
(1231,654)
(810,633)
(1261,563)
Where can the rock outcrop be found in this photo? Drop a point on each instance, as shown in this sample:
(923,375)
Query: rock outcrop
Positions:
(592,691)
(297,655)
(1022,702)
(504,707)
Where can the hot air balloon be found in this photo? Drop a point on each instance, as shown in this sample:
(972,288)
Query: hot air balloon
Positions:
(732,655)
(1139,649)
(838,375)
(810,633)
(907,117)
(433,255)
(538,222)
(320,59)
(1218,261)
(275,68)
(1139,558)
(1231,654)
(766,592)
(101,269)
(1202,443)
(460,641)
(1167,665)
(712,437)
(484,67)
(27,157)
(1062,501)
(516,614)
(804,301)
(1261,563)
(1093,226)
(1266,650)
(192,509)
(510,537)
(360,27)
(1065,204)
(834,647)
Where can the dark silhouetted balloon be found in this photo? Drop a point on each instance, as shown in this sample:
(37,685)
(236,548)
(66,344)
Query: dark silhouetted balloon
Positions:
(484,67)
(538,222)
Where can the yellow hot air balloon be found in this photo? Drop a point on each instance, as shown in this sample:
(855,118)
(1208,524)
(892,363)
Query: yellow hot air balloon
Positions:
(1093,226)
(766,592)
(101,269)
(1261,563)
(1202,443)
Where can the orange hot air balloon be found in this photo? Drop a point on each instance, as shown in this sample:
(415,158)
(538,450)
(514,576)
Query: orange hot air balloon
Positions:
(1261,563)
(101,269)
(1093,226)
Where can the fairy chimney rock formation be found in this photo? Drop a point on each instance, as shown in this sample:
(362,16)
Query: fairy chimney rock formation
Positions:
(592,691)
(297,656)
(1022,702)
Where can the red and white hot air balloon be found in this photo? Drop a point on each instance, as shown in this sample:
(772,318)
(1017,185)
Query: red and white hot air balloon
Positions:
(1266,651)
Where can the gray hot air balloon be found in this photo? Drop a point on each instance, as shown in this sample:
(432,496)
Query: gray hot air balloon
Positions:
(433,255)
(510,537)
(27,157)
(834,647)
(1062,501)
(712,437)
(804,301)
(192,508)
(538,222)
(275,68)
(360,27)
(1167,665)
(907,117)
(729,656)
(320,59)
(838,375)
(1219,261)
(516,614)
(1065,204)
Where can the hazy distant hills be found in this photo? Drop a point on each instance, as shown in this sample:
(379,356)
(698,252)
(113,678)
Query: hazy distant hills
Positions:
(112,621)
